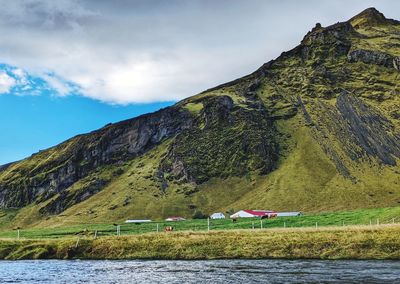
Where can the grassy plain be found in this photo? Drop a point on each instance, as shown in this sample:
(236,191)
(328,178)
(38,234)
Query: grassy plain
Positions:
(333,219)
(352,242)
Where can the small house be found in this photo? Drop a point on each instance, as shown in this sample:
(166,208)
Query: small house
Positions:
(217,215)
(254,214)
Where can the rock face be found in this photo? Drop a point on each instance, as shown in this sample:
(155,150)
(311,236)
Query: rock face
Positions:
(374,57)
(76,158)
(372,132)
(322,43)
(344,115)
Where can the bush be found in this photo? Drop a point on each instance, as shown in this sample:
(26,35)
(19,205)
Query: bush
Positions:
(199,215)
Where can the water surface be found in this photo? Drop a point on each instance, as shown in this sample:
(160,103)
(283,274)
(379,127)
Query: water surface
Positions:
(213,271)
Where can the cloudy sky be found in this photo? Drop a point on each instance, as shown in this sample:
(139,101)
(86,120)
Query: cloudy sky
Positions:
(70,66)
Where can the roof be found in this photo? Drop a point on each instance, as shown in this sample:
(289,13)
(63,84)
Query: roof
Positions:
(259,212)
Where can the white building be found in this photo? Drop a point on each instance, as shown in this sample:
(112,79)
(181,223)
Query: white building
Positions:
(254,214)
(137,221)
(289,214)
(217,215)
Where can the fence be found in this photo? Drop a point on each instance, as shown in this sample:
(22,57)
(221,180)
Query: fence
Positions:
(99,230)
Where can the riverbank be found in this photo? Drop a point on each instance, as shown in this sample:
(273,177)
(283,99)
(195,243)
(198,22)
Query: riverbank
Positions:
(353,242)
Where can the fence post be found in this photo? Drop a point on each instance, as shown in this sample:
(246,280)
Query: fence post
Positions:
(261,224)
(18,234)
(343,223)
(208,224)
(95,234)
(316,225)
(377,221)
(284,224)
(77,242)
(393,220)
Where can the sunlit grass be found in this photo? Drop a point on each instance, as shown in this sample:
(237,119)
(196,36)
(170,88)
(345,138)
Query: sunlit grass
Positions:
(334,219)
(351,242)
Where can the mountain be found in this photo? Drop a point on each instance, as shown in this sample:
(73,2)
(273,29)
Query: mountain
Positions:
(316,129)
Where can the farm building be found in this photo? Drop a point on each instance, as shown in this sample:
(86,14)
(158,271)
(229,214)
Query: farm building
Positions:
(175,219)
(289,214)
(217,215)
(253,214)
(137,221)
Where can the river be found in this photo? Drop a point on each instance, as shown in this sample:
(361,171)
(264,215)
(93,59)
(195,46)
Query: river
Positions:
(210,271)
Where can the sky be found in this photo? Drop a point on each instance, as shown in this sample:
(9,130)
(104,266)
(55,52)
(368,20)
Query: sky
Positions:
(71,66)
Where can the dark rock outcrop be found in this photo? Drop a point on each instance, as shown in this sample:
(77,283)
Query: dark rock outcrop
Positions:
(372,132)
(333,41)
(374,57)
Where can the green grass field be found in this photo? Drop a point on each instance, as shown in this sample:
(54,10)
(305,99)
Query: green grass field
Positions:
(346,218)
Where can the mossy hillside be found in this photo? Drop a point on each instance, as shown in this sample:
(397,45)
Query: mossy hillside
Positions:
(232,141)
(297,184)
(35,169)
(306,180)
(138,193)
(381,34)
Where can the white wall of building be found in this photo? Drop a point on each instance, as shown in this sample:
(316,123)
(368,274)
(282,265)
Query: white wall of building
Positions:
(242,214)
(218,215)
(289,214)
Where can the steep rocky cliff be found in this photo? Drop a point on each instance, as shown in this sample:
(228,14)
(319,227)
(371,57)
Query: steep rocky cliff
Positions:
(318,128)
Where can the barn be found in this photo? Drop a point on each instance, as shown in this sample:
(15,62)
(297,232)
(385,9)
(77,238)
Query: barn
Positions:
(254,214)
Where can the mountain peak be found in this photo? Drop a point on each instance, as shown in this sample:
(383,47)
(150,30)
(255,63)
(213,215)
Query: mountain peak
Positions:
(370,16)
(370,13)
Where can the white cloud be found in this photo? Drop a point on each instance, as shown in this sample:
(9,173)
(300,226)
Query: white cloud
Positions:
(6,82)
(59,85)
(145,51)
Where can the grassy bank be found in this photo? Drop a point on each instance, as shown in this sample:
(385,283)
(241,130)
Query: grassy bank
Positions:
(346,218)
(353,242)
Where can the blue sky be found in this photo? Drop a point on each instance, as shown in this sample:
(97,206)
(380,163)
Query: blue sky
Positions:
(30,123)
(71,66)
